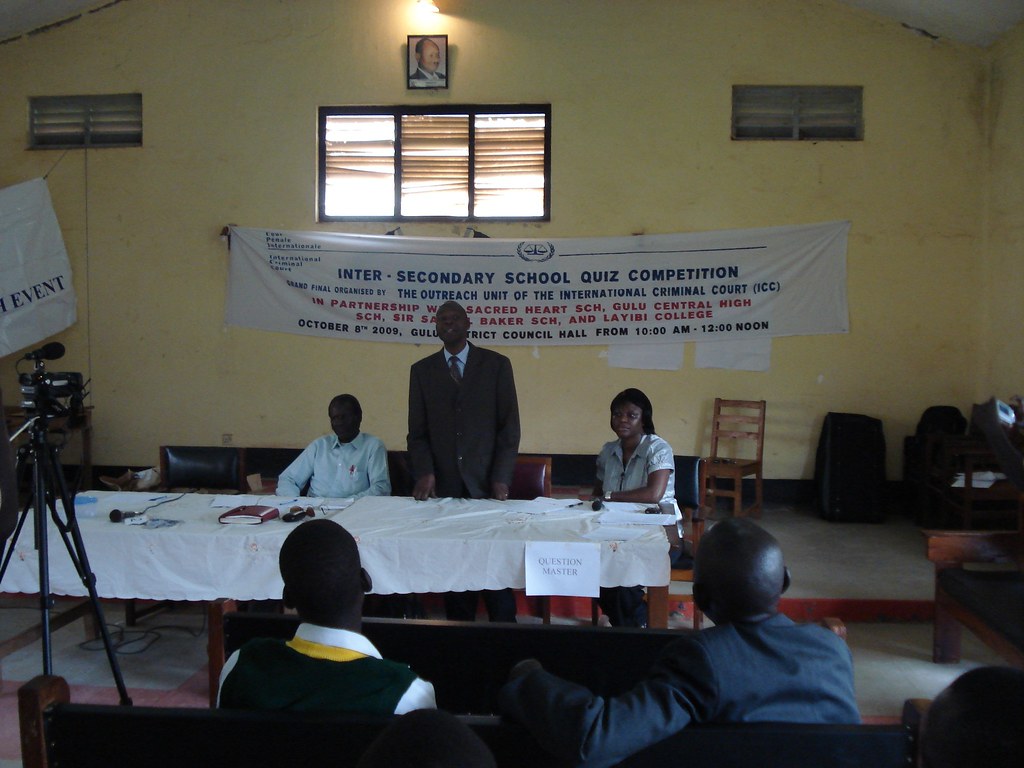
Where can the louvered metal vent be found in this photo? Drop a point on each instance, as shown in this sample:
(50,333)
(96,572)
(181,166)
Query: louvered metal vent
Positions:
(107,120)
(797,112)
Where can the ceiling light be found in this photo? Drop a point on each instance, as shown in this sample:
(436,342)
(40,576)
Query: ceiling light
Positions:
(427,6)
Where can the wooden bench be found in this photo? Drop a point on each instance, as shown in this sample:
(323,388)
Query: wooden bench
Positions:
(608,661)
(467,662)
(990,603)
(56,732)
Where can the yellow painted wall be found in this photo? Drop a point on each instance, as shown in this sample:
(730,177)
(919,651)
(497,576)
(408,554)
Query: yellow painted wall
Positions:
(640,93)
(1002,364)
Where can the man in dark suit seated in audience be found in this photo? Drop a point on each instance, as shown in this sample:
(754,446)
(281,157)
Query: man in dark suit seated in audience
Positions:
(328,665)
(755,665)
(976,722)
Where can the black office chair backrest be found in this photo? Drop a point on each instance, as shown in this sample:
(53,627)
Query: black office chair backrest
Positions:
(194,466)
(531,478)
(689,483)
(399,473)
(941,420)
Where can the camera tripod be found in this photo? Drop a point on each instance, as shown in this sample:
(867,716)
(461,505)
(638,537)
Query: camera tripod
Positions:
(48,489)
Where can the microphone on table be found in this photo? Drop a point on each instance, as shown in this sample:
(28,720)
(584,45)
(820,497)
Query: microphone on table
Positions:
(117,516)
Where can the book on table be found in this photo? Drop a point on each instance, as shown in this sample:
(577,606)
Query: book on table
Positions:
(249,514)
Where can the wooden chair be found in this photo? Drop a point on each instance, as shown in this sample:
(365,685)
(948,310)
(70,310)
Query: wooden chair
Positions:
(735,422)
(690,485)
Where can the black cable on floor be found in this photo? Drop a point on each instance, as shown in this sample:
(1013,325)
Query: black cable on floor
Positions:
(123,638)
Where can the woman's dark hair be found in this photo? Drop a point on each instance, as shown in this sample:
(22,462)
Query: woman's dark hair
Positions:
(635,397)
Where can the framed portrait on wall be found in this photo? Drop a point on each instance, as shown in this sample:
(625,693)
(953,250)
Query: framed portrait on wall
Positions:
(427,61)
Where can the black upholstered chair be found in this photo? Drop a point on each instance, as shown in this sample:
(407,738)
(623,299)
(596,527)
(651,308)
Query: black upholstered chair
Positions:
(531,478)
(399,473)
(690,485)
(202,467)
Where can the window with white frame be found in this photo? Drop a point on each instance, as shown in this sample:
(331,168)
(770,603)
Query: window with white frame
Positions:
(467,163)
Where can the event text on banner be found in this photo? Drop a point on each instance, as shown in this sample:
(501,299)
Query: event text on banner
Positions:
(739,284)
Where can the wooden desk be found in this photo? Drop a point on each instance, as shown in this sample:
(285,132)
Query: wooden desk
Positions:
(987,602)
(969,455)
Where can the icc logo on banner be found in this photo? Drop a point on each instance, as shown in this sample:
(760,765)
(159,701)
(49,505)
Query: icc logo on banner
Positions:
(536,252)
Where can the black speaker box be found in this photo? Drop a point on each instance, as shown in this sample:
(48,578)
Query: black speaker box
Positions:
(849,469)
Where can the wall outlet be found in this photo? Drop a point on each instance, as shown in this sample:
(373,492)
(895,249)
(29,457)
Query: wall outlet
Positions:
(227,439)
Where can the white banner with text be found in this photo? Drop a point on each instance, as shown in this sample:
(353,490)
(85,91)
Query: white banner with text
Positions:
(705,286)
(37,298)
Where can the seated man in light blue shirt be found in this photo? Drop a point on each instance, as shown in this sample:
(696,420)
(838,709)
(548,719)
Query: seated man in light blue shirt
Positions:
(346,464)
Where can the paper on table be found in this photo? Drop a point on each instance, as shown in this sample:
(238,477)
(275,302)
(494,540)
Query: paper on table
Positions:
(623,506)
(332,504)
(978,479)
(132,499)
(620,517)
(283,503)
(542,505)
(615,533)
(233,501)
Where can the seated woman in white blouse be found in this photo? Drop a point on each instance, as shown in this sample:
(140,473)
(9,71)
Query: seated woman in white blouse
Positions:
(638,467)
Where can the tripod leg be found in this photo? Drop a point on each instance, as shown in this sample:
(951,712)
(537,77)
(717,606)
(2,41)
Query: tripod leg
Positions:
(72,536)
(39,504)
(14,538)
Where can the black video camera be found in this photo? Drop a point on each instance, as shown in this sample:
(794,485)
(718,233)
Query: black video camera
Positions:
(41,392)
(50,395)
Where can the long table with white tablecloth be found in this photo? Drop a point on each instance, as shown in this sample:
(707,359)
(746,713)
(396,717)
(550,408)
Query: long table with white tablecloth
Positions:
(407,546)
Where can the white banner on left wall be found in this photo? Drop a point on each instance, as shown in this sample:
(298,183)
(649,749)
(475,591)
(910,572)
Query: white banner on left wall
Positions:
(37,298)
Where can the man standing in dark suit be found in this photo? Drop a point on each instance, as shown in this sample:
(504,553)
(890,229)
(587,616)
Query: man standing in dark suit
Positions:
(464,434)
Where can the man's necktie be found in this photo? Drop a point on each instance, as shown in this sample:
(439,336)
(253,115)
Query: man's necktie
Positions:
(453,369)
